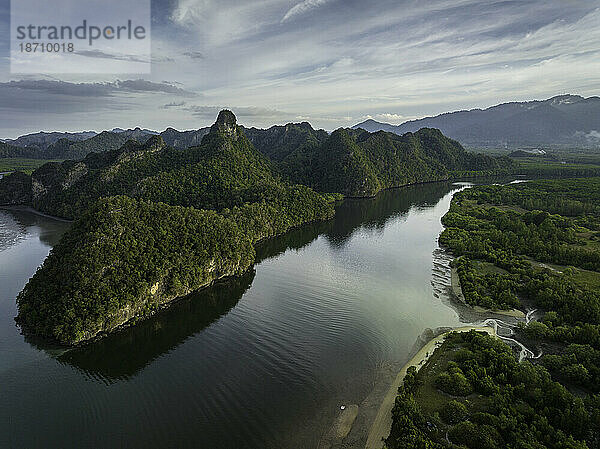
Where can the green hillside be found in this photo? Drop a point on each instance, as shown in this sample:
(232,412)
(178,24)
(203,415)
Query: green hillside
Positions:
(360,164)
(127,256)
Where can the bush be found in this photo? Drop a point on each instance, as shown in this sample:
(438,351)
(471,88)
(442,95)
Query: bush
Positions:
(455,384)
(453,412)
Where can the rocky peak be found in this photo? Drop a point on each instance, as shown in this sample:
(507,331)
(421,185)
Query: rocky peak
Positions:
(155,143)
(226,123)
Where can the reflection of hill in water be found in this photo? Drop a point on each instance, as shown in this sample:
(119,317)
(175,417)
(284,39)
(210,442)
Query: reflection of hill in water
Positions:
(374,213)
(123,354)
(14,225)
(11,230)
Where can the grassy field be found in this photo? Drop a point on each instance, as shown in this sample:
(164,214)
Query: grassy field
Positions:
(536,162)
(487,268)
(24,165)
(584,278)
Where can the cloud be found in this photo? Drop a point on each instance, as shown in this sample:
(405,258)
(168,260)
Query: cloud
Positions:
(100,89)
(193,54)
(173,104)
(141,85)
(247,112)
(386,117)
(302,8)
(95,53)
(404,58)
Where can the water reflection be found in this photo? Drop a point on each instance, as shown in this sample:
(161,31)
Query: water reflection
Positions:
(373,214)
(14,225)
(125,353)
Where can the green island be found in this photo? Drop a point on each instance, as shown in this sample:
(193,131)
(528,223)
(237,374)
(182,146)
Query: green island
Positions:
(154,222)
(530,245)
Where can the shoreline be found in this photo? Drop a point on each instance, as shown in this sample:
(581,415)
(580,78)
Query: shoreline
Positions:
(34,211)
(380,428)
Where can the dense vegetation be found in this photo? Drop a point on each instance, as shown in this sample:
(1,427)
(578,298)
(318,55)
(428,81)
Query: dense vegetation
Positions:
(474,394)
(70,149)
(11,151)
(123,259)
(507,235)
(125,256)
(223,172)
(15,188)
(279,142)
(358,163)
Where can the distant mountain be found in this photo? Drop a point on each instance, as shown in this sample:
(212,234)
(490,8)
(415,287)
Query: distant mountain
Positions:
(8,150)
(42,139)
(561,120)
(79,145)
(184,139)
(138,129)
(105,141)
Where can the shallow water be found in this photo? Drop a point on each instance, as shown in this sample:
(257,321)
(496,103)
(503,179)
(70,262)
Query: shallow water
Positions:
(264,361)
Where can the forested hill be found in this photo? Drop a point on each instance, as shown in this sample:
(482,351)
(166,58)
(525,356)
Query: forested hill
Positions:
(358,163)
(133,248)
(224,171)
(72,146)
(279,142)
(355,163)
(79,145)
(8,150)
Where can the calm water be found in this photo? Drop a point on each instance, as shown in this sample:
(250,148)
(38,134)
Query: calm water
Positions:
(261,362)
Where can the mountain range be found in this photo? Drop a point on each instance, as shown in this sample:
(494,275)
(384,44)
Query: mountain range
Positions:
(55,145)
(355,163)
(565,120)
(562,120)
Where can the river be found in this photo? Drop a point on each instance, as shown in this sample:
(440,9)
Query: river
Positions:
(264,361)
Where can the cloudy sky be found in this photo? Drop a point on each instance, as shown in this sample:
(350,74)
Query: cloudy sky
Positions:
(331,62)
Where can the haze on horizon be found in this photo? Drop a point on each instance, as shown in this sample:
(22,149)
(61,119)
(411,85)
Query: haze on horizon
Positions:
(330,62)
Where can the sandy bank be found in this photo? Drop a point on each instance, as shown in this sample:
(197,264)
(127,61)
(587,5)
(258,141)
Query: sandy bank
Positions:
(382,424)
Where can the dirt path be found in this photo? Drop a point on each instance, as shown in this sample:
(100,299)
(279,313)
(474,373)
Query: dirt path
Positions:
(382,424)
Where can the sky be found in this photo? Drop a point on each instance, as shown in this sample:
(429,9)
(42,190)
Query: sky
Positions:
(333,63)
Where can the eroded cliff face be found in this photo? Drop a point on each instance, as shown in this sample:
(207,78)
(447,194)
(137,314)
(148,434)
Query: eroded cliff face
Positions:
(15,189)
(158,296)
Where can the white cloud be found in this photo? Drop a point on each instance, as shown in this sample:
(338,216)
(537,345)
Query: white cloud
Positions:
(404,58)
(302,8)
